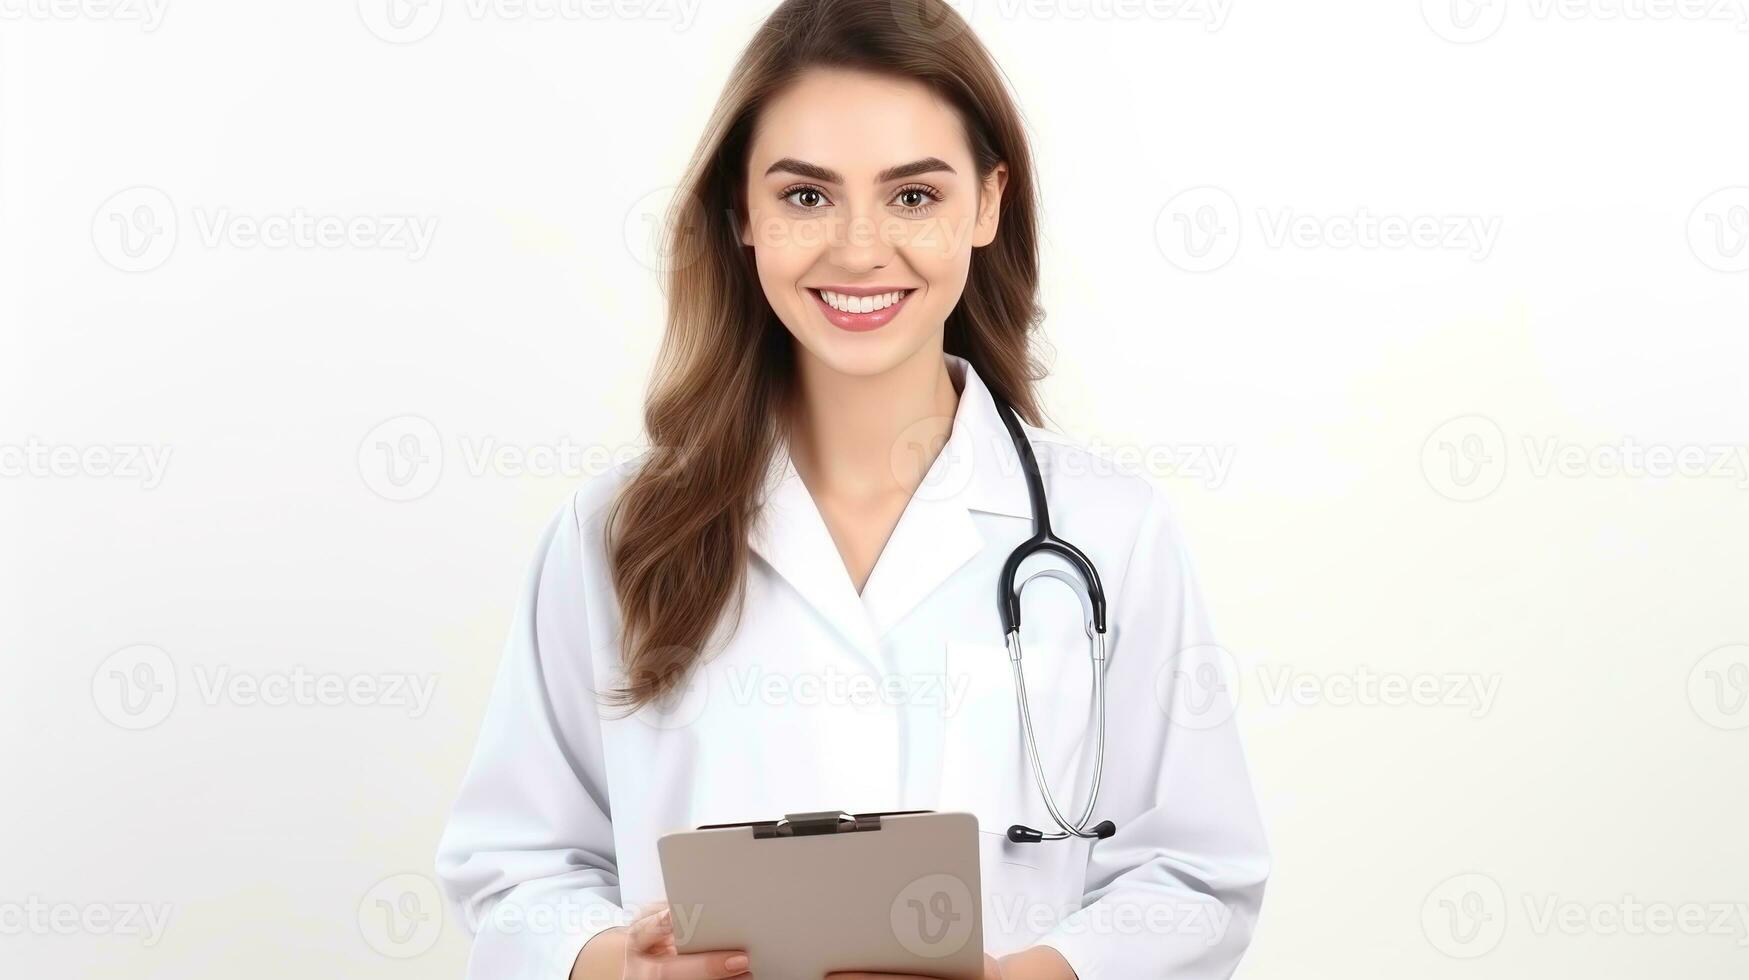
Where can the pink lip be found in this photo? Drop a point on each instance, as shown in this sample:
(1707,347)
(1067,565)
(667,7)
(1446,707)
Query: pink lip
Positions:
(857,322)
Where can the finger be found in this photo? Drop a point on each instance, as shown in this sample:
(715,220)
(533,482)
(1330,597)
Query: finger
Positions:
(715,965)
(649,932)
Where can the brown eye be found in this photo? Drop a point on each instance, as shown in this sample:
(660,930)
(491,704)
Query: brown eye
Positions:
(810,198)
(917,198)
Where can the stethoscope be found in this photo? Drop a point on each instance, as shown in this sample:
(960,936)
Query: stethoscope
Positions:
(1092,595)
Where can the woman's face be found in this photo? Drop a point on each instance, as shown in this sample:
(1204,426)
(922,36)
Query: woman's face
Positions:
(859,187)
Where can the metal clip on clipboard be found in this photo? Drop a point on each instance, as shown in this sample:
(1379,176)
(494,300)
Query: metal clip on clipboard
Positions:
(813,824)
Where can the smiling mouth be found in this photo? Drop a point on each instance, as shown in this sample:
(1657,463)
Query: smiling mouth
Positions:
(844,303)
(860,313)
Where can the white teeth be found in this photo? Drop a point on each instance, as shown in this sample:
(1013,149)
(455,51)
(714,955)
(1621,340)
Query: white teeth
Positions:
(860,304)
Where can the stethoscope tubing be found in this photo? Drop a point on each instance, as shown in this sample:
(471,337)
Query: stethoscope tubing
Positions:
(1092,597)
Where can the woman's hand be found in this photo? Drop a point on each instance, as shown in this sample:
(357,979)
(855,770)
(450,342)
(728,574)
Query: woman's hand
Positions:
(992,971)
(650,953)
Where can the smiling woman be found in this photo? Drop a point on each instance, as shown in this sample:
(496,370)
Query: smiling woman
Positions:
(832,490)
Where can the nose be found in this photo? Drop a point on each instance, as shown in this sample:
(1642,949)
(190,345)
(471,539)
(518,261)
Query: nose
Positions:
(859,243)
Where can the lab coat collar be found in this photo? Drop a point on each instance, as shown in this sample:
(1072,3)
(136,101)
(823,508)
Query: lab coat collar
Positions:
(976,470)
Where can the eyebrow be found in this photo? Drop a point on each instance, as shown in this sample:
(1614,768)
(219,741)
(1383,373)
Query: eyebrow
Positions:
(802,168)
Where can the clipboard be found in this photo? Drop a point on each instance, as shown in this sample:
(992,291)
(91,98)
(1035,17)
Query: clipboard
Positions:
(817,892)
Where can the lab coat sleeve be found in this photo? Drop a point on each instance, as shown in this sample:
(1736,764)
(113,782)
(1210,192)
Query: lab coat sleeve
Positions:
(1176,892)
(527,856)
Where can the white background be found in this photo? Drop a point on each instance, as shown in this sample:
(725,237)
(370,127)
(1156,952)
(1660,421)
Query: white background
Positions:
(1350,535)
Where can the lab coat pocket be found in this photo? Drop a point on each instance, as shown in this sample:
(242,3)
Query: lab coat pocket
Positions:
(986,771)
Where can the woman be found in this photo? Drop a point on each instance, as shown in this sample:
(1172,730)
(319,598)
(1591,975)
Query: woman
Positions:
(788,603)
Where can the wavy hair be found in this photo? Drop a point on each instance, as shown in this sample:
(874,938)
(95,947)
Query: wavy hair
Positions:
(725,373)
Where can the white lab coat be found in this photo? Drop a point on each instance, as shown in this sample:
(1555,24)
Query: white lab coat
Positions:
(898,698)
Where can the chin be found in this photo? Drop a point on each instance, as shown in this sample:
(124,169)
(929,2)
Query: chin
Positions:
(862,355)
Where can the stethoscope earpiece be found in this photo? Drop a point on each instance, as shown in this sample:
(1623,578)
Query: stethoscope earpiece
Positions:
(1026,835)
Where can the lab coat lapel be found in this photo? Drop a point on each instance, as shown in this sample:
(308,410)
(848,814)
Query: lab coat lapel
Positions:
(789,533)
(937,534)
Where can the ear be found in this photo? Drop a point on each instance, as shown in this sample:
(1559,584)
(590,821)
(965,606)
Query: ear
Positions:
(990,205)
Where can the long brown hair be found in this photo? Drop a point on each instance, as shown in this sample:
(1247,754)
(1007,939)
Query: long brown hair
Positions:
(724,376)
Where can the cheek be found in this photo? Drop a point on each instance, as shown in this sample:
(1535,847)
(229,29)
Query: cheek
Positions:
(940,251)
(784,250)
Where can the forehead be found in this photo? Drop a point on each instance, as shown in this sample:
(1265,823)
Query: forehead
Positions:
(857,123)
